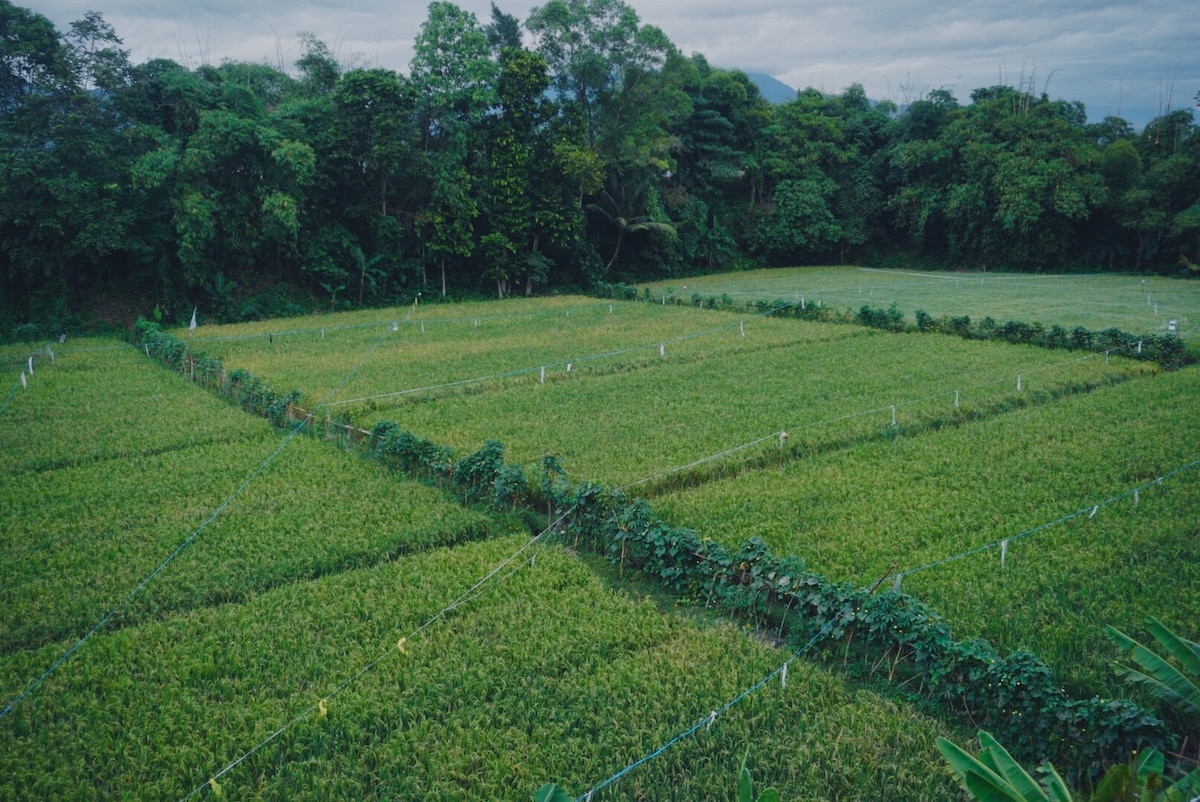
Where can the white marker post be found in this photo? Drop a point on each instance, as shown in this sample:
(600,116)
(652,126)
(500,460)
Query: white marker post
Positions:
(542,377)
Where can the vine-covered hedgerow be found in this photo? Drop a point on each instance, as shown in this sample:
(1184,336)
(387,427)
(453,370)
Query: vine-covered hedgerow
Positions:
(1013,697)
(249,392)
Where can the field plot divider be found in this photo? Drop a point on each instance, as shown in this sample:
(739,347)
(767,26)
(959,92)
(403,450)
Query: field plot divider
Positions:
(295,430)
(1090,511)
(466,597)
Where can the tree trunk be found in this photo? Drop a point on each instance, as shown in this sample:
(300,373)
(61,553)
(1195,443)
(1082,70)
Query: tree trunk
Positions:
(616,250)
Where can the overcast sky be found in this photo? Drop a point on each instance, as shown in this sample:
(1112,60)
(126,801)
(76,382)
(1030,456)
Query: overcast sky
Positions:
(1135,59)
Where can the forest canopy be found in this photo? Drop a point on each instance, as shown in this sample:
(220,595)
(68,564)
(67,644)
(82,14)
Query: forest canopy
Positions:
(575,147)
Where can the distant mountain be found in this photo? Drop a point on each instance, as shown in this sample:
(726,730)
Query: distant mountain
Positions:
(773,89)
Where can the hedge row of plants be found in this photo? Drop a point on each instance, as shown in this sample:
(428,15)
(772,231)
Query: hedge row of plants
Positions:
(1014,697)
(1166,350)
(239,386)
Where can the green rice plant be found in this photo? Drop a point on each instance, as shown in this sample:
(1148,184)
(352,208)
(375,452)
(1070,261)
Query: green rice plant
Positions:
(480,342)
(104,400)
(77,540)
(1134,303)
(631,426)
(914,501)
(548,673)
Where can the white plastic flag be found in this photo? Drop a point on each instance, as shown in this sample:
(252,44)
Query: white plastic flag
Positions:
(192,325)
(1003,553)
(24,384)
(783,677)
(662,349)
(30,366)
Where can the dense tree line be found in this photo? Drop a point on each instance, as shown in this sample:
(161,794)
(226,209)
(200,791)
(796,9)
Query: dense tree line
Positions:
(576,147)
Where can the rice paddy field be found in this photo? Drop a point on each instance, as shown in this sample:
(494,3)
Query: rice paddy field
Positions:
(1134,303)
(196,604)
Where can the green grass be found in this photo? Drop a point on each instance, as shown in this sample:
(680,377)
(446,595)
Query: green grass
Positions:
(917,500)
(548,676)
(1101,301)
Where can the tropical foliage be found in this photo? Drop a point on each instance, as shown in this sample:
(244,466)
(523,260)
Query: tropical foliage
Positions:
(584,148)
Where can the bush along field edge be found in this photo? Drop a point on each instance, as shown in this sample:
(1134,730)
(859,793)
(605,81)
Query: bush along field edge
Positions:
(1014,697)
(1167,350)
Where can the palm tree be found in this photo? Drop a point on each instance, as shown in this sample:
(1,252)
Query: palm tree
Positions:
(617,207)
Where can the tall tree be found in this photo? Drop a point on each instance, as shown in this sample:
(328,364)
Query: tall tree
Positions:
(455,82)
(1008,181)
